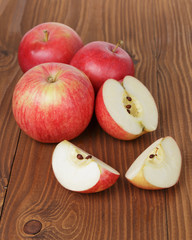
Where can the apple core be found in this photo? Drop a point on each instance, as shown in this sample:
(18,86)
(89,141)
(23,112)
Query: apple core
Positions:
(132,105)
(157,156)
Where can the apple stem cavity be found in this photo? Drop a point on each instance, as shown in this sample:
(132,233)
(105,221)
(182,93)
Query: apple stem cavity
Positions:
(46,35)
(51,79)
(119,44)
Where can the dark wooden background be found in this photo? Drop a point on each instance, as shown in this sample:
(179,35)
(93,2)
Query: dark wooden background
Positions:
(158,36)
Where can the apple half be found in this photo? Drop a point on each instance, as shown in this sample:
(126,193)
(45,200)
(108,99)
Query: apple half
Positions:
(78,171)
(158,167)
(126,110)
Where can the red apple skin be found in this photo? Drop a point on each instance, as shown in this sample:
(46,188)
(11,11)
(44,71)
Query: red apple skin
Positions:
(62,43)
(107,179)
(99,62)
(53,111)
(106,121)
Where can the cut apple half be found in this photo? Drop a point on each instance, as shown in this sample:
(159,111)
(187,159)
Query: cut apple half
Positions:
(158,167)
(126,110)
(79,171)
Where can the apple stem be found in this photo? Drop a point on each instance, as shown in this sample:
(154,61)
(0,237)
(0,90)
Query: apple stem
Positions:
(129,98)
(46,35)
(120,43)
(52,79)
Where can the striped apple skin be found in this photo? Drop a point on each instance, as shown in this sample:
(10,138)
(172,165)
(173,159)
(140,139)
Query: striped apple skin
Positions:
(53,111)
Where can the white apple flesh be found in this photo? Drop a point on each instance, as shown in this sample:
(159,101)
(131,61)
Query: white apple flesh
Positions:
(127,110)
(158,167)
(77,170)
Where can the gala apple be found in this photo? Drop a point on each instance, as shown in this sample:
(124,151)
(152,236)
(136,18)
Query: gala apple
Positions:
(101,60)
(53,101)
(48,42)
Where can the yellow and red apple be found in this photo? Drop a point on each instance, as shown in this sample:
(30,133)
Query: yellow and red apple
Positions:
(52,102)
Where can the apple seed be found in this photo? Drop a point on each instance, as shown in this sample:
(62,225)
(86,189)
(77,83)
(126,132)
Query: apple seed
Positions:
(79,156)
(128,106)
(88,157)
(129,98)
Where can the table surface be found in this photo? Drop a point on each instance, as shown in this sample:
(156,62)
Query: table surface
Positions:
(33,205)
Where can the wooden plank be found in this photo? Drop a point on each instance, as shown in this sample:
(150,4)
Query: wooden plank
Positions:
(157,36)
(173,40)
(9,75)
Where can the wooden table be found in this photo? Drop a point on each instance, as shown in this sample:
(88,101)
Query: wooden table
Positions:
(33,205)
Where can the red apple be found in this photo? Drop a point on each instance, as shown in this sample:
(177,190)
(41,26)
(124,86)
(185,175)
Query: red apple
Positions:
(48,42)
(77,170)
(126,110)
(102,60)
(53,102)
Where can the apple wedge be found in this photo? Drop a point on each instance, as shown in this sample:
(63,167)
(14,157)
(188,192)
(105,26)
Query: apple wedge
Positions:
(126,110)
(158,167)
(77,170)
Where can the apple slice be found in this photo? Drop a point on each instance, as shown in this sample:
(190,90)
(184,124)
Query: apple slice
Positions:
(158,167)
(77,170)
(126,110)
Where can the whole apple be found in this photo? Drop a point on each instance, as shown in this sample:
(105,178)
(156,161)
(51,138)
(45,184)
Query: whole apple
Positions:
(101,60)
(48,42)
(52,102)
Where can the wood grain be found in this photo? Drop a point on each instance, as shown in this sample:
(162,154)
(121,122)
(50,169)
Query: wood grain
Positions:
(33,205)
